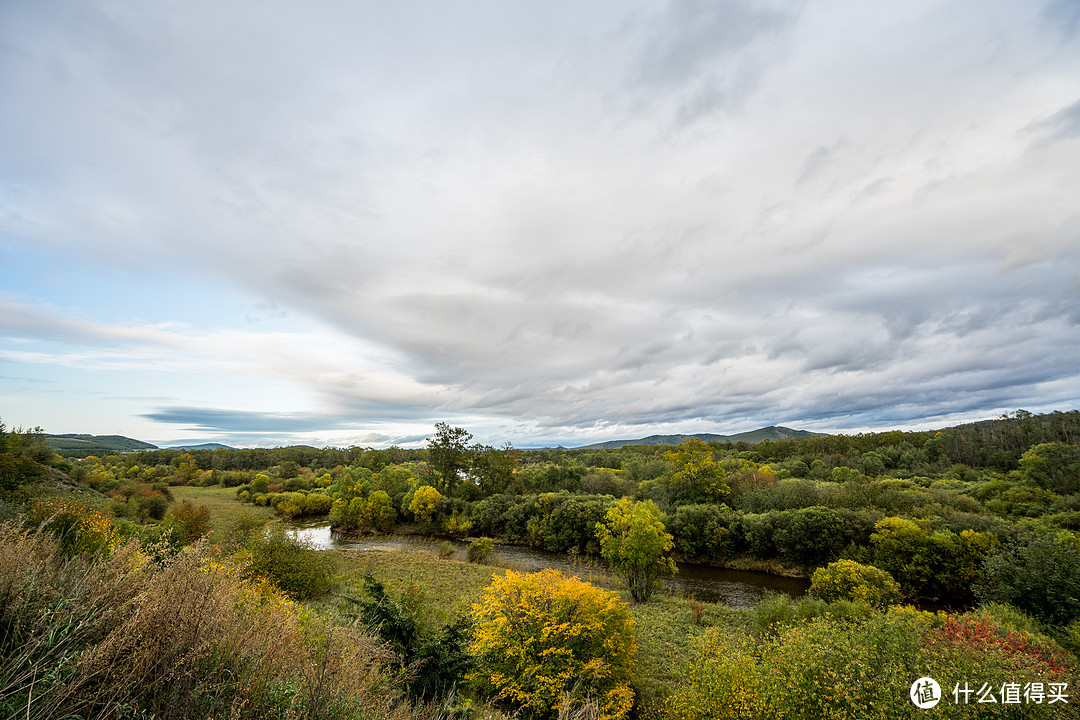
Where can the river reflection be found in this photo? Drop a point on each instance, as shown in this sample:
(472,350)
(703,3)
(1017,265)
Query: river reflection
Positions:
(735,588)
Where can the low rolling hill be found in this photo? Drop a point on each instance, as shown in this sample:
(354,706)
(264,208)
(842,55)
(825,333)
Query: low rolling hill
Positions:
(773,432)
(77,446)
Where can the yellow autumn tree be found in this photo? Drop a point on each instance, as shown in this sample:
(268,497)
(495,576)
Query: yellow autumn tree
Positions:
(849,580)
(697,477)
(541,636)
(425,501)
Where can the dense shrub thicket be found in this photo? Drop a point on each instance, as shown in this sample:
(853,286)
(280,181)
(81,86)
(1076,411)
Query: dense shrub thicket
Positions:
(849,580)
(827,667)
(300,572)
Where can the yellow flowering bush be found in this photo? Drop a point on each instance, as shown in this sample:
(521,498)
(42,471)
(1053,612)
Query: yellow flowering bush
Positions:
(542,636)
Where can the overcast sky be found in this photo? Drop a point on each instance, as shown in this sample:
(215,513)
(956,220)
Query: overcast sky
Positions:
(339,222)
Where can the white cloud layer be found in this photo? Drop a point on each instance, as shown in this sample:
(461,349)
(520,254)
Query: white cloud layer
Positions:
(558,221)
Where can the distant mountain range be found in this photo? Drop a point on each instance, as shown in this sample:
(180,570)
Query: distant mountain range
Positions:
(773,432)
(200,446)
(78,446)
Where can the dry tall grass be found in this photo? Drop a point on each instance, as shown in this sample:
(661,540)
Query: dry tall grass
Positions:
(125,635)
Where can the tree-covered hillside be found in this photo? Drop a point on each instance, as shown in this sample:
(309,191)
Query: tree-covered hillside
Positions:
(78,446)
(753,436)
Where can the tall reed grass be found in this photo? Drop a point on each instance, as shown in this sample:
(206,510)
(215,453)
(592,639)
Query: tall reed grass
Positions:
(131,633)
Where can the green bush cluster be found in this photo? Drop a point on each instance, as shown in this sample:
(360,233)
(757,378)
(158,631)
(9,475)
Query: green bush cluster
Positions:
(435,657)
(832,667)
(558,522)
(480,550)
(1039,574)
(931,563)
(297,569)
(376,512)
(300,503)
(777,609)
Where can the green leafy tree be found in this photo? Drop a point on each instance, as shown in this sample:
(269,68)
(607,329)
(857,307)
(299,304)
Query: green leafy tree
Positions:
(375,512)
(1040,575)
(704,532)
(633,539)
(394,480)
(811,535)
(449,454)
(494,468)
(930,565)
(380,513)
(22,458)
(1053,466)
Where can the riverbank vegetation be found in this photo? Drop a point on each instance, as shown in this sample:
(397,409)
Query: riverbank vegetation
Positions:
(982,517)
(928,507)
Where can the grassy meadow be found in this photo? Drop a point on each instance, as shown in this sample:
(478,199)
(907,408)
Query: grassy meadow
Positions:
(225,512)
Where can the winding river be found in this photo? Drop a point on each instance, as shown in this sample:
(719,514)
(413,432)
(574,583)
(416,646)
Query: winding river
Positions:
(735,588)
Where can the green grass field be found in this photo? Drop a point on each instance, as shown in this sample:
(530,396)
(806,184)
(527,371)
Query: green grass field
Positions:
(225,510)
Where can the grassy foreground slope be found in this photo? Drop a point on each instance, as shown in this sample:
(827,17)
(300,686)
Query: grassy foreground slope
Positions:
(785,658)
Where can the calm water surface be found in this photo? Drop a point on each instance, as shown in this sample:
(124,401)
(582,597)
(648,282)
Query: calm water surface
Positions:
(736,588)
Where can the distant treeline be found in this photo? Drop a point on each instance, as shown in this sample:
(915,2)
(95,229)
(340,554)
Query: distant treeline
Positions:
(992,444)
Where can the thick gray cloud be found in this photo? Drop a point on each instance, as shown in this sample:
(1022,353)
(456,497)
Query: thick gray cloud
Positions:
(571,219)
